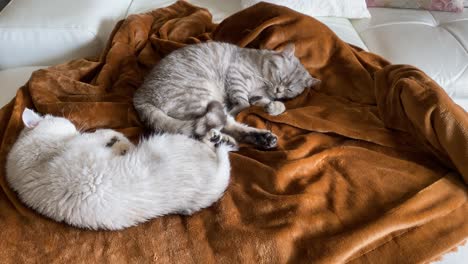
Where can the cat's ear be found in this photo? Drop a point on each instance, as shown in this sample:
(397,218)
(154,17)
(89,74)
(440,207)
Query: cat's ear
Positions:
(31,118)
(313,82)
(289,50)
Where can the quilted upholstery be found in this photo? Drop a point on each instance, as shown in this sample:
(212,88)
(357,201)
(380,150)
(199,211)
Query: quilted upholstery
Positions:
(436,42)
(48,32)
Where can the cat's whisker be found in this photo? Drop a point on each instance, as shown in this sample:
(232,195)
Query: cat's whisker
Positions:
(81,126)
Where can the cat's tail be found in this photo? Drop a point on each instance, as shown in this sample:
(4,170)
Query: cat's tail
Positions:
(214,117)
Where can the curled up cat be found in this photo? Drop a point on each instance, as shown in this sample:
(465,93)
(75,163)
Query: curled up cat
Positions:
(101,180)
(177,95)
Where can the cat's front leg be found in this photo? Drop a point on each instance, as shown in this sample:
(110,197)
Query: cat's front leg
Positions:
(243,133)
(259,101)
(271,107)
(239,99)
(238,106)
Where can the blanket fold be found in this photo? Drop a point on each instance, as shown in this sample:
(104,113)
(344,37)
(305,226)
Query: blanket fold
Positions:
(409,100)
(371,167)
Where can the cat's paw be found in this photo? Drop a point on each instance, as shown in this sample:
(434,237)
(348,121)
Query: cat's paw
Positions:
(215,137)
(265,140)
(228,140)
(275,108)
(119,146)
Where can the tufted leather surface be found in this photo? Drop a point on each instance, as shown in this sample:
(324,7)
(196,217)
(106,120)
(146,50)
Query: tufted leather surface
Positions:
(436,42)
(48,32)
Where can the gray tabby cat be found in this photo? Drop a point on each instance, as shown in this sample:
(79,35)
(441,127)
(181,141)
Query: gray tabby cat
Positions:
(183,92)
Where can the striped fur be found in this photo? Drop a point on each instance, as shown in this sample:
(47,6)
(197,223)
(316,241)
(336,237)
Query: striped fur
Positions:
(201,87)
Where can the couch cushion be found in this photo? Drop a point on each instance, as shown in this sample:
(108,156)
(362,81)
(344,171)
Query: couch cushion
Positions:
(48,31)
(11,80)
(344,29)
(436,42)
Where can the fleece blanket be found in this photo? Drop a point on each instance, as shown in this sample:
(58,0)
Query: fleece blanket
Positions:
(371,167)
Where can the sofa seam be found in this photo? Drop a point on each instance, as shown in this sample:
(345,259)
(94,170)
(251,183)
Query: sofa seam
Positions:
(454,21)
(128,9)
(456,38)
(399,23)
(434,25)
(433,18)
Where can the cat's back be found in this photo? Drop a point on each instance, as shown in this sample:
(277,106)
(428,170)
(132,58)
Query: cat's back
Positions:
(30,154)
(63,178)
(202,52)
(203,60)
(47,163)
(184,81)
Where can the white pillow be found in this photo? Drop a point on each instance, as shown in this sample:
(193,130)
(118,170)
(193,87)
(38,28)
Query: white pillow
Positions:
(334,8)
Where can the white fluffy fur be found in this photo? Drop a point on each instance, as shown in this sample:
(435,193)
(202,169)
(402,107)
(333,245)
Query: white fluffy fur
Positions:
(75,178)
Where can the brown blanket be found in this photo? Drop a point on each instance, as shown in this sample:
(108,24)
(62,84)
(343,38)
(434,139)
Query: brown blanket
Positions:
(372,167)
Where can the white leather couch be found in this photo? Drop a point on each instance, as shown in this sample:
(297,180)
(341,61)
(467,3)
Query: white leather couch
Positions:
(35,34)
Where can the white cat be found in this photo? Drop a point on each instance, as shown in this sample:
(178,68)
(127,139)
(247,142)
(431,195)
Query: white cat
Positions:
(101,180)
